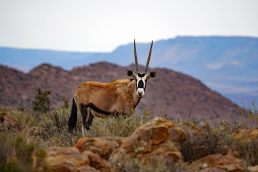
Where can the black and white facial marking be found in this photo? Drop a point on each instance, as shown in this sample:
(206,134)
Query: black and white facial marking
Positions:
(141,78)
(140,81)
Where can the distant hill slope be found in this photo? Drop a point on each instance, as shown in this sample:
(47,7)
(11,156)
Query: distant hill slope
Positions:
(170,92)
(228,65)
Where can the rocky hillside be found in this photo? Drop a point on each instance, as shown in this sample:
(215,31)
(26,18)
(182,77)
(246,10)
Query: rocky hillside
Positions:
(227,64)
(170,92)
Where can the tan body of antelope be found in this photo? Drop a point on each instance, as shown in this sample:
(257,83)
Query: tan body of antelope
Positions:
(101,100)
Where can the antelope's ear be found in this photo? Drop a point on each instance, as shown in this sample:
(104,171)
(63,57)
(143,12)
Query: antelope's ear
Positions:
(151,75)
(130,73)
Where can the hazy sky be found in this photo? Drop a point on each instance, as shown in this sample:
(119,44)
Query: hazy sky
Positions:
(102,25)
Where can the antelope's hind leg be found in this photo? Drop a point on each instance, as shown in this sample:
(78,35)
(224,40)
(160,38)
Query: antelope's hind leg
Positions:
(87,117)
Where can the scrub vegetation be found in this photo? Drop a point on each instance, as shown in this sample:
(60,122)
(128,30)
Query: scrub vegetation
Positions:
(23,143)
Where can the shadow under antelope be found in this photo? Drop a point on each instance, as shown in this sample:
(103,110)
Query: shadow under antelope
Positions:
(101,100)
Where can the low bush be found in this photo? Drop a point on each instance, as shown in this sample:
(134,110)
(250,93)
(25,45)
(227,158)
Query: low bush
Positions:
(16,154)
(36,131)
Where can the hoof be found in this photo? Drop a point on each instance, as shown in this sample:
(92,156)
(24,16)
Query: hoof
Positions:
(87,126)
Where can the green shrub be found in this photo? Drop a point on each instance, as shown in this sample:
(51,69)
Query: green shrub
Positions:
(201,144)
(248,150)
(42,101)
(17,155)
(66,104)
(249,114)
(53,131)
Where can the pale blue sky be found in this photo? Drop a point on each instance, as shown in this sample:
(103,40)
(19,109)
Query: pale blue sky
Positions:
(101,25)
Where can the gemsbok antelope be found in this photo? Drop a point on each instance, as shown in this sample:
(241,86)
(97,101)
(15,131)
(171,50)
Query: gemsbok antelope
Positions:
(101,100)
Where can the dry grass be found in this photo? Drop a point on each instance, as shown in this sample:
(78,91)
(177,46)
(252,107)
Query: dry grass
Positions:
(40,130)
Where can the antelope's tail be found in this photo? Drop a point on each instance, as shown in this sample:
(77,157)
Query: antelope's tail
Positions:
(73,118)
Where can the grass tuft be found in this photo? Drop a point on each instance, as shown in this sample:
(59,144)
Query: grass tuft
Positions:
(35,131)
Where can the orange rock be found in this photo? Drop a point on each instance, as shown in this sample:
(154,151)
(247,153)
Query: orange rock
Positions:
(235,154)
(224,150)
(212,170)
(246,145)
(80,143)
(253,169)
(103,146)
(70,159)
(65,159)
(224,162)
(97,162)
(246,135)
(159,134)
(86,169)
(158,139)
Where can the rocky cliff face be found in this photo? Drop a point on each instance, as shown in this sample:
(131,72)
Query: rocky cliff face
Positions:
(170,92)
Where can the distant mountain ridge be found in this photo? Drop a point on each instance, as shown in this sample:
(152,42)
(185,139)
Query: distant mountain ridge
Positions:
(228,65)
(170,92)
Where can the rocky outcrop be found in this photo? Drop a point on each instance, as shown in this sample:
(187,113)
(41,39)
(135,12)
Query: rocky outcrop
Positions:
(246,145)
(97,162)
(103,146)
(158,142)
(253,169)
(70,159)
(224,162)
(246,135)
(159,139)
(212,170)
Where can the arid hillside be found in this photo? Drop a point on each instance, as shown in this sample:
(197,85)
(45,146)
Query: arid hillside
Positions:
(170,92)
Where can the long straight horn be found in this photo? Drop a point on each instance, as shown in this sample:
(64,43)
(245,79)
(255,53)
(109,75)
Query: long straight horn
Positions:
(148,61)
(135,56)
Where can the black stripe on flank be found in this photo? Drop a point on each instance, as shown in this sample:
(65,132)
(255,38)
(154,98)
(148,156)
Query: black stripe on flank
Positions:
(92,106)
(115,113)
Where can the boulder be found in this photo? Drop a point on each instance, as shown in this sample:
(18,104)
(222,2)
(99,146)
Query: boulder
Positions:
(97,162)
(86,169)
(224,162)
(103,146)
(191,129)
(253,169)
(246,135)
(212,170)
(246,145)
(70,159)
(158,139)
